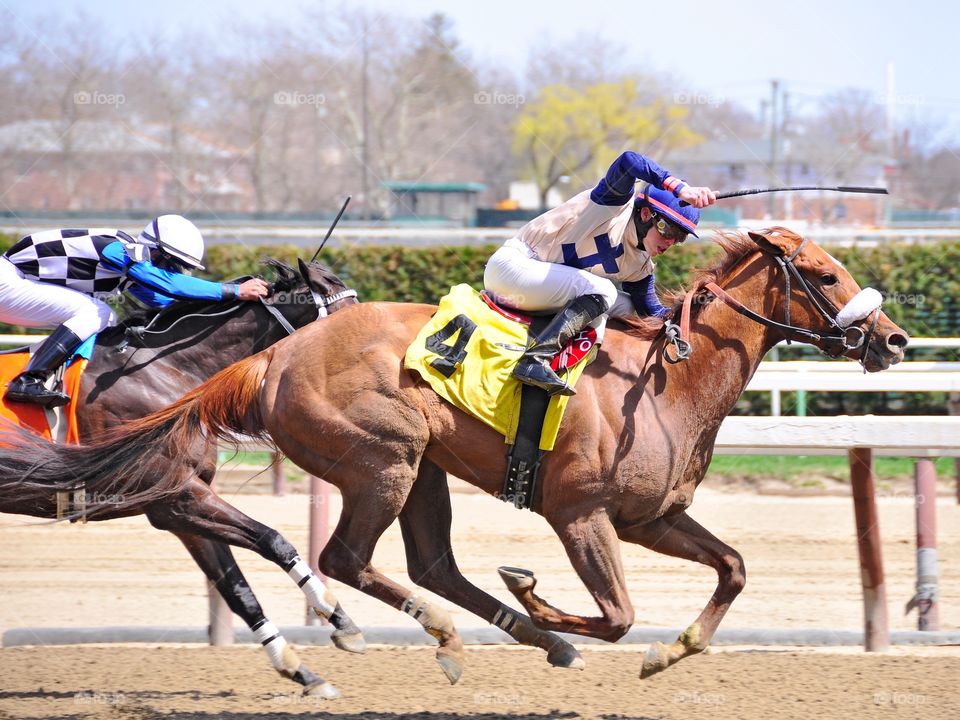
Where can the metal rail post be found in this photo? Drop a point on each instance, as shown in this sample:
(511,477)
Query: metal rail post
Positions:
(925,481)
(876,632)
(279,474)
(220,617)
(319,531)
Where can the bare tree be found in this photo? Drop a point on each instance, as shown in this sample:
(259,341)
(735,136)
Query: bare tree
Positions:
(69,75)
(164,85)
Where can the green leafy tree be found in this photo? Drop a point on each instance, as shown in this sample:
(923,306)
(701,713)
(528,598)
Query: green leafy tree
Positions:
(576,132)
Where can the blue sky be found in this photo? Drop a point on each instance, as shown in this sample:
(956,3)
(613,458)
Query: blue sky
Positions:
(728,49)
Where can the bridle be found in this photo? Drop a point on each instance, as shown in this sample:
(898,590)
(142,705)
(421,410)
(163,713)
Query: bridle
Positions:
(322,303)
(842,329)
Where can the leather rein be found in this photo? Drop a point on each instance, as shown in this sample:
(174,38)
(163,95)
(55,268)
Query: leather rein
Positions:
(847,338)
(322,303)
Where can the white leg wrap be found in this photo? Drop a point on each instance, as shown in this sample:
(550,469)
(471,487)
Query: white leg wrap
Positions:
(435,620)
(315,591)
(273,642)
(504,619)
(415,607)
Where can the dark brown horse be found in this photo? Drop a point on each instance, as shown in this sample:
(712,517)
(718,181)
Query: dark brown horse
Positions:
(636,441)
(150,361)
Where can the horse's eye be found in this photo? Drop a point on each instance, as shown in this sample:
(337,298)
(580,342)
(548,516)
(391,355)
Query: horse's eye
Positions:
(828,279)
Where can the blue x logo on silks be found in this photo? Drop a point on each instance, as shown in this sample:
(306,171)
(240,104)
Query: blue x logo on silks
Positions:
(605,255)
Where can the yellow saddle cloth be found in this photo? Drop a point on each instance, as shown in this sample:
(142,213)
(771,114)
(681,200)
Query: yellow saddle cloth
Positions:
(467,352)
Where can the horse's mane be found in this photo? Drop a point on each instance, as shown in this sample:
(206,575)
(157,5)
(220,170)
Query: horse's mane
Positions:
(737,246)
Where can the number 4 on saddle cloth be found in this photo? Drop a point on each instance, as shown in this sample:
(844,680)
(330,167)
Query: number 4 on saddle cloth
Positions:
(57,424)
(467,352)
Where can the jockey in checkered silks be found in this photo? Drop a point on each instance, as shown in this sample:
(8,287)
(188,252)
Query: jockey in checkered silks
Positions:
(568,258)
(60,279)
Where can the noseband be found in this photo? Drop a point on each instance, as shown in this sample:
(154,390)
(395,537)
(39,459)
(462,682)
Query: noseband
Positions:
(847,336)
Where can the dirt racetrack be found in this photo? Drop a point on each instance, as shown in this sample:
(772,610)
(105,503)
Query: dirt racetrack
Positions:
(802,573)
(800,555)
(144,682)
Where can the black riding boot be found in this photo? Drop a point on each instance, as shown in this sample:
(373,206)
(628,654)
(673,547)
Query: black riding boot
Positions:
(28,386)
(534,367)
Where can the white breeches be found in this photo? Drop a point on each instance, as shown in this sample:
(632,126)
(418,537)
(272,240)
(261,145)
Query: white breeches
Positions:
(36,304)
(518,279)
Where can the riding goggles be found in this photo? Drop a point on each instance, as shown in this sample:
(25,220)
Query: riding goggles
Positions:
(669,230)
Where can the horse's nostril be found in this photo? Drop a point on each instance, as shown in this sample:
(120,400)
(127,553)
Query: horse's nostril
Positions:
(897,341)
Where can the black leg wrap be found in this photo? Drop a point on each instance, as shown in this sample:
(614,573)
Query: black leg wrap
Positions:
(343,622)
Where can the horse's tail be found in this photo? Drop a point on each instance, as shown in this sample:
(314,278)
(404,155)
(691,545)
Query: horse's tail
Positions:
(142,461)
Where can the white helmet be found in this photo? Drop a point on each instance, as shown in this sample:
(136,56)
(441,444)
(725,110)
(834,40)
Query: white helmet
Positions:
(176,236)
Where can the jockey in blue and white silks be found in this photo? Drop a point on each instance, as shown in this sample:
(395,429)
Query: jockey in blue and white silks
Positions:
(570,256)
(60,279)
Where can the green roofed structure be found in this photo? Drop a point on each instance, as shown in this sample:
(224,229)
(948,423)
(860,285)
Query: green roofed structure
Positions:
(434,201)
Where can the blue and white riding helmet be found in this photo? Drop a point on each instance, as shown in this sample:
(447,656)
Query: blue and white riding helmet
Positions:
(177,237)
(667,205)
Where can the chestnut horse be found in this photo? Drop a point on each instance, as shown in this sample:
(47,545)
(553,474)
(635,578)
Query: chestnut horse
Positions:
(635,444)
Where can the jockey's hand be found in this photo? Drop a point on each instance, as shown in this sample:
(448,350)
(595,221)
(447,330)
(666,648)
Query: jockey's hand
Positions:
(699,197)
(254,289)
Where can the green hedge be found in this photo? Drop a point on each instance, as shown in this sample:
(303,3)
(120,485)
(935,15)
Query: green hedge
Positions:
(920,282)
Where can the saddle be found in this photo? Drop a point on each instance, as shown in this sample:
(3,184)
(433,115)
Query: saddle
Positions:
(467,352)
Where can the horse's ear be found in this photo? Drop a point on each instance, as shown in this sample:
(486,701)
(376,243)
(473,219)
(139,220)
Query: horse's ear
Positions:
(775,242)
(304,270)
(765,244)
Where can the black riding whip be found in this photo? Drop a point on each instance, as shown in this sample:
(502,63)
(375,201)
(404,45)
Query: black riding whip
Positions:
(332,226)
(834,188)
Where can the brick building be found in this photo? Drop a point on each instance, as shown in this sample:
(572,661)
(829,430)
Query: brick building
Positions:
(112,165)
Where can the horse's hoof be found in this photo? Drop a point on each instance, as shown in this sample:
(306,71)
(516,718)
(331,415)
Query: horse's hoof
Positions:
(565,655)
(350,642)
(656,660)
(321,689)
(451,664)
(517,579)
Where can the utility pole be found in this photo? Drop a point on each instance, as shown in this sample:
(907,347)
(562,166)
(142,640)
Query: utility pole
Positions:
(787,157)
(891,164)
(364,113)
(774,141)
